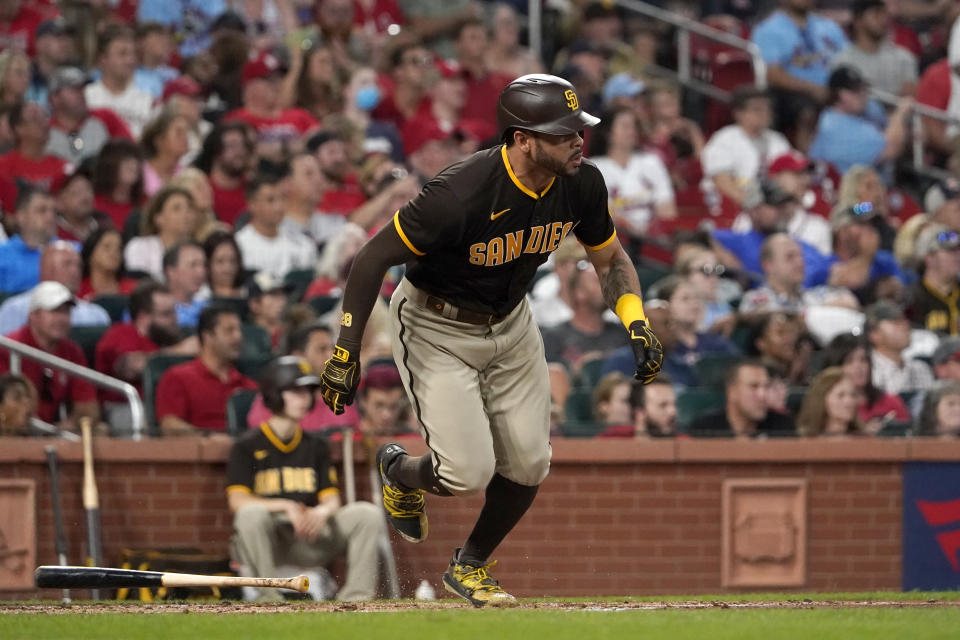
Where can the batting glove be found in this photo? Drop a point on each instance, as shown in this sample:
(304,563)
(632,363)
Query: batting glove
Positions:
(339,379)
(647,350)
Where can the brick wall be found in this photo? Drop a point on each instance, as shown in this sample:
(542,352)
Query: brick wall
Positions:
(613,517)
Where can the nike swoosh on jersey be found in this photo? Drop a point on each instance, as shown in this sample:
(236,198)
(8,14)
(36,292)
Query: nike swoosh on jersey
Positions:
(494,216)
(260,454)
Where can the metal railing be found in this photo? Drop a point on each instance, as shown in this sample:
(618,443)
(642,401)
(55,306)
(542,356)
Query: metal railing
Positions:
(684,73)
(917,113)
(19,350)
(685,26)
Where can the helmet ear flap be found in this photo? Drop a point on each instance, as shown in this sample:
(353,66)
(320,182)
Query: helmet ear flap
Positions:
(273,400)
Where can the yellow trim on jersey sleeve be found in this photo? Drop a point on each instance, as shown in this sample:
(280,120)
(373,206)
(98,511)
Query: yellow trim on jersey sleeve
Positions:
(275,441)
(403,236)
(516,180)
(240,488)
(604,243)
(329,491)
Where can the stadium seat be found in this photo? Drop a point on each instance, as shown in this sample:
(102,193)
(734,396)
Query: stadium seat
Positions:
(131,226)
(696,401)
(251,366)
(87,338)
(741,337)
(134,274)
(722,66)
(156,366)
(795,397)
(712,369)
(238,304)
(114,304)
(242,220)
(298,281)
(579,405)
(575,429)
(895,429)
(909,397)
(590,373)
(323,304)
(649,272)
(238,406)
(256,342)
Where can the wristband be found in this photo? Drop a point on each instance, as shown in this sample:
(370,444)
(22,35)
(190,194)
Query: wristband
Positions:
(629,309)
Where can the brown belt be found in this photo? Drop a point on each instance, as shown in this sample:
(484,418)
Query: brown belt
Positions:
(447,310)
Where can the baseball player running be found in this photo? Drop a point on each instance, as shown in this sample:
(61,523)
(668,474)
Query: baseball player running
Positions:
(469,352)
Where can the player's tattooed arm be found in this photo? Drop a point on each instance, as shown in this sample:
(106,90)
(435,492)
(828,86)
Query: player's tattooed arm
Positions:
(621,291)
(617,274)
(620,278)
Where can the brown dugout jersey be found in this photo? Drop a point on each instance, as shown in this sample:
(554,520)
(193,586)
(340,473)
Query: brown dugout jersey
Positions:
(480,234)
(928,309)
(262,464)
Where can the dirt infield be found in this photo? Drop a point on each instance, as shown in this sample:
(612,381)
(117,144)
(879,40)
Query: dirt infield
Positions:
(218,608)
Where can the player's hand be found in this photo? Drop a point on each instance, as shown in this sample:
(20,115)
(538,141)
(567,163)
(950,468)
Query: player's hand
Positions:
(647,350)
(340,378)
(314,521)
(296,513)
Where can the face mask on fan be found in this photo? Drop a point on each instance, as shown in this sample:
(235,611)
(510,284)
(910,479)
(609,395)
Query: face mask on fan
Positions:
(368,97)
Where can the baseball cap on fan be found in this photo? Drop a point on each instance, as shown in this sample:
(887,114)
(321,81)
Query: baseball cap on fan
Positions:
(948,349)
(182,86)
(880,311)
(621,85)
(792,161)
(416,138)
(264,282)
(848,78)
(859,213)
(55,27)
(938,194)
(50,295)
(860,7)
(450,69)
(67,77)
(765,192)
(261,66)
(935,238)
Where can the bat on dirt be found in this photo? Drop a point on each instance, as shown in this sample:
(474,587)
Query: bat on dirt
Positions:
(91,501)
(51,577)
(60,539)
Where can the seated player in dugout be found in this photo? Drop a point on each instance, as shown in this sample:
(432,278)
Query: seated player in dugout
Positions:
(283,493)
(469,352)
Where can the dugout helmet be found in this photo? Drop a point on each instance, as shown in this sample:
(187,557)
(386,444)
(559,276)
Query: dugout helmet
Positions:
(542,103)
(283,374)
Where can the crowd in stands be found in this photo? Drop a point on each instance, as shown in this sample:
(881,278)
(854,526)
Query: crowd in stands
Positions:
(184,185)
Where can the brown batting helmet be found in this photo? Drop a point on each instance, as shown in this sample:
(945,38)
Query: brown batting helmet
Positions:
(542,103)
(282,374)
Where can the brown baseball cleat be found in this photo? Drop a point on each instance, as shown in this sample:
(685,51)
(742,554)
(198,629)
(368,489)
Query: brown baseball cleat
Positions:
(475,585)
(405,507)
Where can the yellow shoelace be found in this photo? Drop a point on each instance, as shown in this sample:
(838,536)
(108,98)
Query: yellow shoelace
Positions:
(479,578)
(403,504)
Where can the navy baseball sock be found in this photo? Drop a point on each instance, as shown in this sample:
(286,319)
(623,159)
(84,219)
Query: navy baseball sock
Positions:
(506,502)
(417,473)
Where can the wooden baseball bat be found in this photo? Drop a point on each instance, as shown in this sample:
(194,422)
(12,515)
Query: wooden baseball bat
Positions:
(91,501)
(51,577)
(59,540)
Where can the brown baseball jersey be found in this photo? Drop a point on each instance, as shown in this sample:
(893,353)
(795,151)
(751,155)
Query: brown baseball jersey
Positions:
(480,234)
(299,470)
